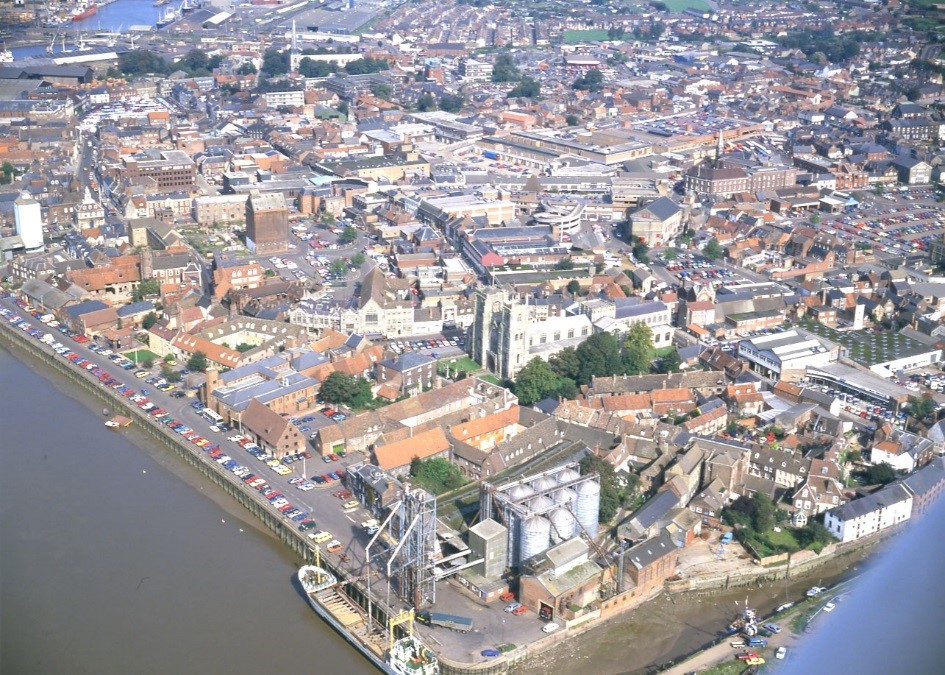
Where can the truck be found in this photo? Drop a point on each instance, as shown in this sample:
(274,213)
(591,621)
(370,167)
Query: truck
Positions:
(451,621)
(490,154)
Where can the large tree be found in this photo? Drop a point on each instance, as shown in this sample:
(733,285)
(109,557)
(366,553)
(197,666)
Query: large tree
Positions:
(671,363)
(436,474)
(348,235)
(638,349)
(713,250)
(339,387)
(535,381)
(566,363)
(198,362)
(599,355)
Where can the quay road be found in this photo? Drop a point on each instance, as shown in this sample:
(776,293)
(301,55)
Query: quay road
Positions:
(491,626)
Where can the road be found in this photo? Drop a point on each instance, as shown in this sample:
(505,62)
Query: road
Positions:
(491,624)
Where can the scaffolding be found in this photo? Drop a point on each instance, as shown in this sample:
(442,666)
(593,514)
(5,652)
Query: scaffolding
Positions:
(413,534)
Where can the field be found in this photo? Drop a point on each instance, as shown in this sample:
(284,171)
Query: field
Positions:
(575,36)
(683,5)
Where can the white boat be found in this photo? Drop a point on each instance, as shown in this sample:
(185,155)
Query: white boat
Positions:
(407,656)
(315,579)
(111,424)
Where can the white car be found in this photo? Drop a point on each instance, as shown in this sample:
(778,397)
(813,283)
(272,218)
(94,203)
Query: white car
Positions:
(829,607)
(550,627)
(781,653)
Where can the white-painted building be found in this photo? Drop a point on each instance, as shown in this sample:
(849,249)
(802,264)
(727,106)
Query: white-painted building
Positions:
(793,350)
(868,515)
(28,216)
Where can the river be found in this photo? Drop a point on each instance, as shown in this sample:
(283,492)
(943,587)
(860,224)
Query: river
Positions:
(117,557)
(117,16)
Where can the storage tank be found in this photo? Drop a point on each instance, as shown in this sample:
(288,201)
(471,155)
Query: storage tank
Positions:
(567,475)
(544,484)
(564,496)
(563,525)
(587,507)
(536,536)
(540,504)
(520,492)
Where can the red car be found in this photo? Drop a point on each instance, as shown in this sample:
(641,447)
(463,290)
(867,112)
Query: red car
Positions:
(518,611)
(744,656)
(507,597)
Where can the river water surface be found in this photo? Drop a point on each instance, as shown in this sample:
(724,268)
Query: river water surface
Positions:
(115,558)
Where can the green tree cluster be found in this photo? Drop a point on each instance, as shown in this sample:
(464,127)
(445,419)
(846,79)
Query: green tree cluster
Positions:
(426,102)
(348,235)
(437,474)
(338,267)
(537,381)
(275,62)
(7,173)
(146,288)
(592,80)
(169,374)
(198,362)
(713,249)
(339,387)
(834,47)
(451,103)
(504,69)
(526,88)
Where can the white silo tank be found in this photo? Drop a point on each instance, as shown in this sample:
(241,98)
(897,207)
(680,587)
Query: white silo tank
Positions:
(544,484)
(563,525)
(540,504)
(587,508)
(567,475)
(564,496)
(520,492)
(536,536)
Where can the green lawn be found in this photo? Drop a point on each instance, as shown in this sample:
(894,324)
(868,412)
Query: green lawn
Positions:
(490,378)
(142,354)
(463,364)
(683,5)
(783,538)
(575,36)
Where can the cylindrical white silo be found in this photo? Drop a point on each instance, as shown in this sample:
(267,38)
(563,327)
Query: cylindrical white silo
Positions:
(587,508)
(567,475)
(564,496)
(520,492)
(544,484)
(540,504)
(562,525)
(536,536)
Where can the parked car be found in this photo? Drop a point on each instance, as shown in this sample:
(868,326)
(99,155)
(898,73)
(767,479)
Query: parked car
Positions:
(549,627)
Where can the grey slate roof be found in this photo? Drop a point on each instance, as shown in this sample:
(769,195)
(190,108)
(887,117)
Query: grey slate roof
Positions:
(887,496)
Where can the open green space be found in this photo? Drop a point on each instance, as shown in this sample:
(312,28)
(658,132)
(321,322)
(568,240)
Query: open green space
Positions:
(576,36)
(683,5)
(463,364)
(140,355)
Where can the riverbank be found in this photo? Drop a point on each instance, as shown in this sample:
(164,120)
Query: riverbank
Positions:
(109,557)
(666,643)
(674,627)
